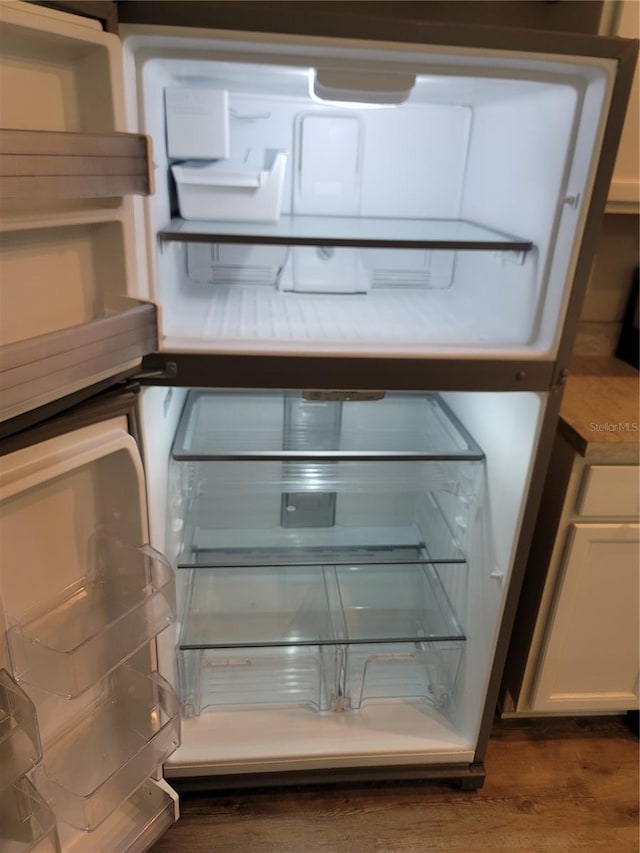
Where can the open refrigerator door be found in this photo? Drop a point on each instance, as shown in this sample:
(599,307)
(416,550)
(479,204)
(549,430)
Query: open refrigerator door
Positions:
(87,720)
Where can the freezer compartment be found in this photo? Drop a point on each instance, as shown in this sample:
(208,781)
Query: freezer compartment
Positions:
(449,221)
(221,426)
(27,824)
(109,751)
(242,678)
(126,598)
(20,747)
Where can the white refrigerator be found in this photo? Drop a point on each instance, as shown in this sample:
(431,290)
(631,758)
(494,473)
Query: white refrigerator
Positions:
(287,303)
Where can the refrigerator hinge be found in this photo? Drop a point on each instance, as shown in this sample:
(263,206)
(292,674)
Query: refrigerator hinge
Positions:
(169,371)
(560,379)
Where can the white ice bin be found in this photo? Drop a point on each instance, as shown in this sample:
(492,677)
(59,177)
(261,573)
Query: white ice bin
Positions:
(245,189)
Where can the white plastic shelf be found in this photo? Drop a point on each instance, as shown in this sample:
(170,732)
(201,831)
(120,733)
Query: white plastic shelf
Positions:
(27,824)
(99,622)
(20,747)
(93,768)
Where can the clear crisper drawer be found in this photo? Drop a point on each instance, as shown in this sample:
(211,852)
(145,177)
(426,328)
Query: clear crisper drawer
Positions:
(27,824)
(123,737)
(423,671)
(126,598)
(302,675)
(300,424)
(20,747)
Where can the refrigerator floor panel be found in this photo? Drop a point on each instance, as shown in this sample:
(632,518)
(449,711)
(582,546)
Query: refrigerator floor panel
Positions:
(281,739)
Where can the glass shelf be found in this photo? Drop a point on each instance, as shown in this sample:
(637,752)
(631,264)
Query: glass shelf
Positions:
(100,622)
(219,426)
(348,231)
(232,607)
(109,753)
(20,747)
(27,824)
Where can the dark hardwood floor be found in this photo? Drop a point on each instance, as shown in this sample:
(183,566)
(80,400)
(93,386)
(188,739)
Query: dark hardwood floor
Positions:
(552,785)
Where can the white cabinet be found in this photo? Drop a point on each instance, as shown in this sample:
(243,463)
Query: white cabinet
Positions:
(575,643)
(590,658)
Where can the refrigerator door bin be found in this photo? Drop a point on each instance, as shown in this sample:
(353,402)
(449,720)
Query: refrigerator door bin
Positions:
(27,824)
(126,599)
(129,729)
(235,190)
(20,747)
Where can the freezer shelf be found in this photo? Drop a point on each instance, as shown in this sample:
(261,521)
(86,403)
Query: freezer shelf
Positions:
(374,232)
(303,605)
(310,425)
(27,824)
(100,622)
(125,736)
(20,747)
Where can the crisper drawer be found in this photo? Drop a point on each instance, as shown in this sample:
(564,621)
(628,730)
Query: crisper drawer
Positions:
(320,678)
(329,637)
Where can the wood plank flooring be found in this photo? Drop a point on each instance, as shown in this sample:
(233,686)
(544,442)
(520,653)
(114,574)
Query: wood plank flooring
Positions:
(552,785)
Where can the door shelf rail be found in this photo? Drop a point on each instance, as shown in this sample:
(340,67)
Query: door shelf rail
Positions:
(347,231)
(41,164)
(40,369)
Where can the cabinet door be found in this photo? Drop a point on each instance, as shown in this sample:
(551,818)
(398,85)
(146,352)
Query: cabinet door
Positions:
(590,659)
(67,174)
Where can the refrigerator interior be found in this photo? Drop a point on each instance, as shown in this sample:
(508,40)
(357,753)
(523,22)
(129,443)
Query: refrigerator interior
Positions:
(341,568)
(86,718)
(446,222)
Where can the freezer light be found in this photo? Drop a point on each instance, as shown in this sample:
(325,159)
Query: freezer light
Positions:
(359,90)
